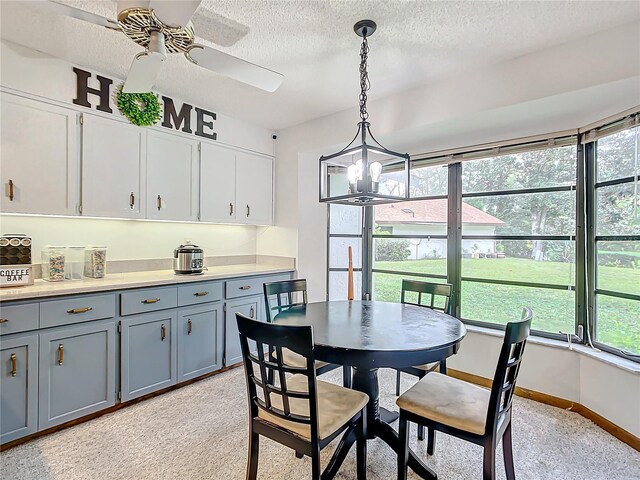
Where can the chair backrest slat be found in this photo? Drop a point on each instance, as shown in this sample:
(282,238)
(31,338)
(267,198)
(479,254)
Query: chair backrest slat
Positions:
(285,288)
(432,289)
(299,339)
(509,361)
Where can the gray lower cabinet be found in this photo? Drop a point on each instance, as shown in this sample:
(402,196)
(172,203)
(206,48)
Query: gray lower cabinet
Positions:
(200,340)
(251,307)
(77,371)
(148,353)
(18,386)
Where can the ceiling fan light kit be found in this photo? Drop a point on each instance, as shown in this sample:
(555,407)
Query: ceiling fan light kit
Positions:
(164,27)
(355,174)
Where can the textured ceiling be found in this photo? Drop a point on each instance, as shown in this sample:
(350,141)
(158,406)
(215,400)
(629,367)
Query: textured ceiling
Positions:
(312,43)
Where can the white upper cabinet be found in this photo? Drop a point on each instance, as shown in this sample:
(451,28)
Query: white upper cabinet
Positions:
(38,157)
(254,189)
(113,167)
(217,184)
(172,177)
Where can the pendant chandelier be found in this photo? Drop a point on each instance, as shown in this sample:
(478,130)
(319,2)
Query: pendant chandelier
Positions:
(364,172)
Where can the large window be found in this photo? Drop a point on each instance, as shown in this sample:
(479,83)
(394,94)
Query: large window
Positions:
(518,238)
(616,243)
(550,223)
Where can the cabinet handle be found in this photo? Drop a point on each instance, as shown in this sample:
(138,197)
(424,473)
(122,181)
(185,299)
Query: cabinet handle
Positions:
(60,354)
(201,294)
(230,209)
(163,332)
(248,210)
(4,320)
(252,312)
(80,310)
(11,190)
(159,202)
(132,199)
(189,327)
(150,300)
(245,287)
(14,365)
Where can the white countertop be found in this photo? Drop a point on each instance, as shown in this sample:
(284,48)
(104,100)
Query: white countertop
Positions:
(121,281)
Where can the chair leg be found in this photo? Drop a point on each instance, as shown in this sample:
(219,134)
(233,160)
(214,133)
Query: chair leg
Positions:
(397,383)
(420,432)
(252,462)
(361,447)
(507,450)
(315,464)
(346,376)
(403,454)
(431,441)
(299,454)
(489,461)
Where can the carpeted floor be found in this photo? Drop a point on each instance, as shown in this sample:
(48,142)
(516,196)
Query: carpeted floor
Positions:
(200,432)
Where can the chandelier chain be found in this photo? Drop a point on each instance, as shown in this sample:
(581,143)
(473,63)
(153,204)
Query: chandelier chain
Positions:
(364,79)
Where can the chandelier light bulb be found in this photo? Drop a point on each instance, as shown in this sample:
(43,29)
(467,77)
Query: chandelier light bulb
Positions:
(375,169)
(352,175)
(359,170)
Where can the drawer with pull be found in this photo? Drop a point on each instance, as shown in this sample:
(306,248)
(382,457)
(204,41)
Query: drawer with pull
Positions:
(245,287)
(196,293)
(77,309)
(19,318)
(148,300)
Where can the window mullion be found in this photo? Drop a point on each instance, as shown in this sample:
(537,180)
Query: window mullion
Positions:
(454,235)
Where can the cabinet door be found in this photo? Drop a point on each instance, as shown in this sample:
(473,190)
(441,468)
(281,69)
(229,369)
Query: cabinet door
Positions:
(38,157)
(77,372)
(200,340)
(18,387)
(217,184)
(113,165)
(148,353)
(172,177)
(250,307)
(254,189)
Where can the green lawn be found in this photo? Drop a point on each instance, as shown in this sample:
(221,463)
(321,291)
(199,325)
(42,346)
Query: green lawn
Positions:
(618,319)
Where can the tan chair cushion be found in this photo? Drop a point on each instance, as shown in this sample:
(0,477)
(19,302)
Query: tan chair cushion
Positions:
(428,366)
(449,401)
(336,406)
(294,359)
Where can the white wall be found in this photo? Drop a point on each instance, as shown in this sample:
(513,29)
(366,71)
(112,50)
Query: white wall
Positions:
(564,87)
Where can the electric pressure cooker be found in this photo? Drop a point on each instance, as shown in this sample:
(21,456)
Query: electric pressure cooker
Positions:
(188,259)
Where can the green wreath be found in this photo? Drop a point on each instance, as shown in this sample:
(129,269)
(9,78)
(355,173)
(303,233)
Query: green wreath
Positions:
(142,109)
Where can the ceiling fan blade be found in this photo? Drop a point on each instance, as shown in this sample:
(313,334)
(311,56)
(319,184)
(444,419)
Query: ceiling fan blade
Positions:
(143,72)
(218,29)
(175,13)
(236,68)
(66,10)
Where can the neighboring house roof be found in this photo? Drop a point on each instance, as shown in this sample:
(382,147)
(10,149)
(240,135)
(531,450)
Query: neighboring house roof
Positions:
(430,212)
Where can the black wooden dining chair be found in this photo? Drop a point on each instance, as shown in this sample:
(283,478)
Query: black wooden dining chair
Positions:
(467,411)
(297,410)
(431,291)
(281,296)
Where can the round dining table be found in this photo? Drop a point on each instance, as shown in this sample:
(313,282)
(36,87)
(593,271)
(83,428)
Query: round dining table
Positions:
(369,335)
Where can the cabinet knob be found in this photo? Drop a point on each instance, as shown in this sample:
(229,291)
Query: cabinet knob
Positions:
(11,190)
(189,327)
(132,200)
(252,312)
(4,320)
(159,202)
(60,354)
(163,332)
(230,209)
(14,365)
(245,287)
(150,300)
(248,210)
(201,294)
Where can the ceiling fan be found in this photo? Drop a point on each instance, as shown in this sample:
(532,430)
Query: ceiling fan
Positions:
(164,27)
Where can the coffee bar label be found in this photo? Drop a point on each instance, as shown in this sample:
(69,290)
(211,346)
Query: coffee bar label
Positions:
(173,118)
(16,275)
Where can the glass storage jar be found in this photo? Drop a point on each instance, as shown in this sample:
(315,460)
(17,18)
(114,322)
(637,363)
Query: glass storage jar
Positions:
(74,263)
(95,261)
(53,262)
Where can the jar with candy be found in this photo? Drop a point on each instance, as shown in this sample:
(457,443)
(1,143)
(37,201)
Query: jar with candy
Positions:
(53,261)
(95,261)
